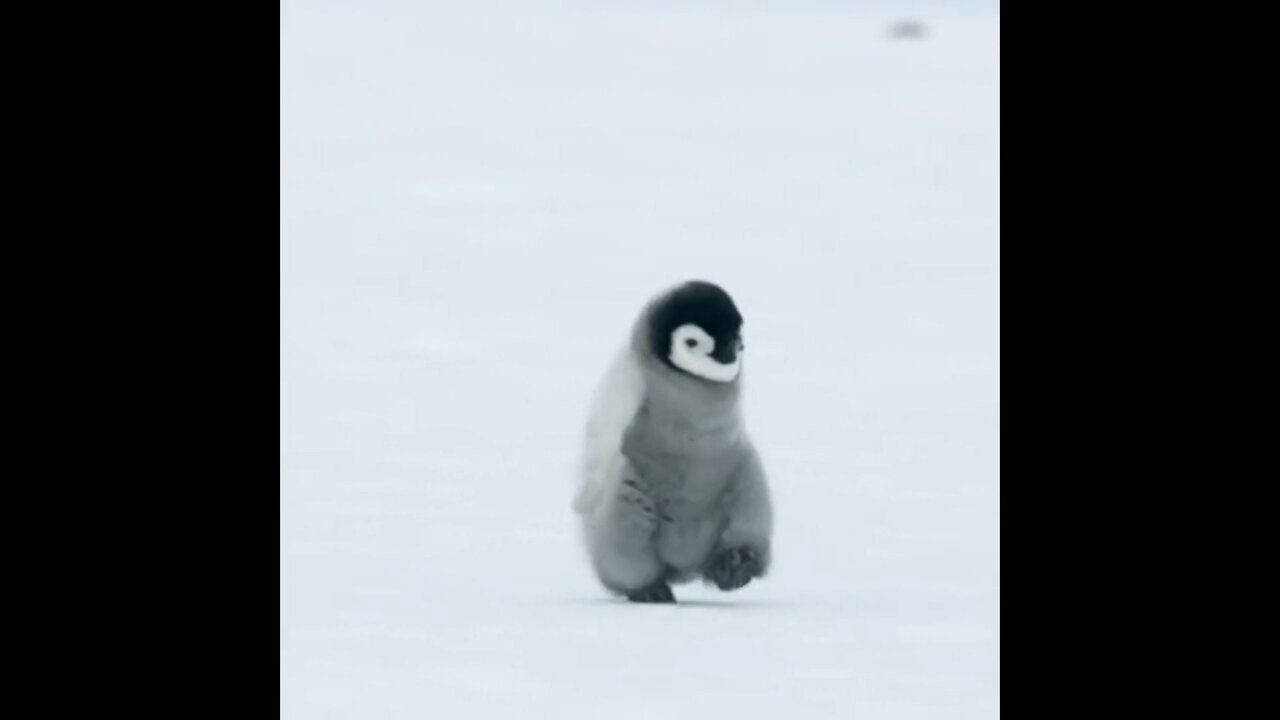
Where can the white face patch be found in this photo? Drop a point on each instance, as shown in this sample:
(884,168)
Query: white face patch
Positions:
(691,349)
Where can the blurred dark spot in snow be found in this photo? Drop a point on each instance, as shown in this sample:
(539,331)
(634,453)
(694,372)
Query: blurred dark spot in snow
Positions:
(906,29)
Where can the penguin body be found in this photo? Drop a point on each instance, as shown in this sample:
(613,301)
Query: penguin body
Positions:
(671,487)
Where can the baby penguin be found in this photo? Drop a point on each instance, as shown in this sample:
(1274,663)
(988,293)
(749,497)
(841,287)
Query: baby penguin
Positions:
(671,487)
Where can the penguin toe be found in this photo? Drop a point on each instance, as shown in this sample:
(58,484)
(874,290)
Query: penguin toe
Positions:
(734,568)
(659,592)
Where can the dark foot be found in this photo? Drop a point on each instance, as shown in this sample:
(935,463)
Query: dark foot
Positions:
(659,592)
(734,568)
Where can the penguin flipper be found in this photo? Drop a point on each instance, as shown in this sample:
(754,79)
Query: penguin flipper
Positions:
(615,402)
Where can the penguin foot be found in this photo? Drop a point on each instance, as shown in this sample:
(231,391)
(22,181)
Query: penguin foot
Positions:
(659,592)
(734,568)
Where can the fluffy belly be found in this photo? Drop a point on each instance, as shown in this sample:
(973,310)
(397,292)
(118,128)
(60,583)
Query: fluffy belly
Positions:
(685,543)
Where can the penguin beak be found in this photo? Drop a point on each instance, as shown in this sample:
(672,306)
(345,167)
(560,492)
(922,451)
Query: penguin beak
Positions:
(726,353)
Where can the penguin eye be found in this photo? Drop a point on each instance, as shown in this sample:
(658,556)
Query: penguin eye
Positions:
(691,343)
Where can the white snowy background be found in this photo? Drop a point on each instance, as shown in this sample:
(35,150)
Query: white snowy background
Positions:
(475,201)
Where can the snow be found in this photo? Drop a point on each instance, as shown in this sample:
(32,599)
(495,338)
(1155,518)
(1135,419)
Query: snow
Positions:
(474,205)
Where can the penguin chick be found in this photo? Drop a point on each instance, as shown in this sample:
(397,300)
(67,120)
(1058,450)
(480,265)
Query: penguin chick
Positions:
(671,486)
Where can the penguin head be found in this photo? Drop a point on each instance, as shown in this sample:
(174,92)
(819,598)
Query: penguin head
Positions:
(696,329)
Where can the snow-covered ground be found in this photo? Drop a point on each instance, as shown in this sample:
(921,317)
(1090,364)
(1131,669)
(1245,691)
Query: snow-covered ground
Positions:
(473,207)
